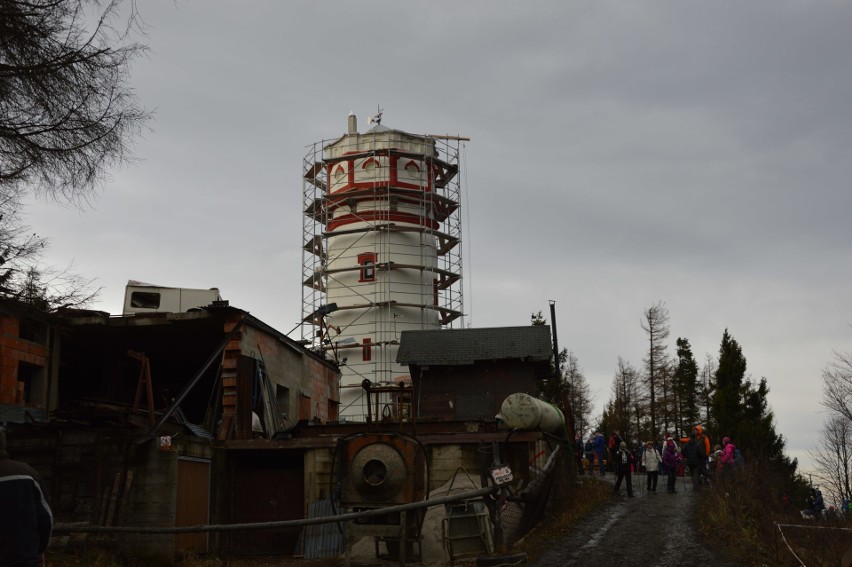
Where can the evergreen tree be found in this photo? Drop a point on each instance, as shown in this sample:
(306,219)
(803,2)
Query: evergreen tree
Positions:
(741,411)
(686,387)
(726,405)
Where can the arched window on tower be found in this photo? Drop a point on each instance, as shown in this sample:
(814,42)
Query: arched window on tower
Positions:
(370,167)
(412,169)
(367,262)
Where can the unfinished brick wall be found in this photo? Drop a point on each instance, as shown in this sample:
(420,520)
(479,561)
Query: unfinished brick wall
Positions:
(13,351)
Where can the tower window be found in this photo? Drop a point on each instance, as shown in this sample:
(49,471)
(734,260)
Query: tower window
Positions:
(412,169)
(367,261)
(367,350)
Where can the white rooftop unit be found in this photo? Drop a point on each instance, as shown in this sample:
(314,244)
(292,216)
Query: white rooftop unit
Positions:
(141,297)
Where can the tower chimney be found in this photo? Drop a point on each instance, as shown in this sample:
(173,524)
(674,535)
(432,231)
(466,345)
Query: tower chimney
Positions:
(353,124)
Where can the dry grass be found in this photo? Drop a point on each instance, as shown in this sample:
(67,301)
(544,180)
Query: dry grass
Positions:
(744,509)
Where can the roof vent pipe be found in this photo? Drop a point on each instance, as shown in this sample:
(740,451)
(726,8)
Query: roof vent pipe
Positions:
(353,124)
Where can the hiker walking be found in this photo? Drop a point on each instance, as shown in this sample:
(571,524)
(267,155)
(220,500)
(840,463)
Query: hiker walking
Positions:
(600,450)
(615,442)
(670,465)
(704,450)
(623,463)
(693,460)
(651,460)
(589,452)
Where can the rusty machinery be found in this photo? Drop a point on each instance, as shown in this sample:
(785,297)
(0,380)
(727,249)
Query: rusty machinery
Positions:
(378,470)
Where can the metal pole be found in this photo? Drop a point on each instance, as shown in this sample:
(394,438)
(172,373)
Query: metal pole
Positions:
(555,341)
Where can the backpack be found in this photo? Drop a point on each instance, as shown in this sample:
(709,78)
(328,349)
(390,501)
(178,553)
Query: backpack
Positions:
(692,451)
(739,460)
(588,447)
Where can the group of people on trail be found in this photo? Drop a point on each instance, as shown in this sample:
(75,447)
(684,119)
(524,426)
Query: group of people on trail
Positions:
(670,457)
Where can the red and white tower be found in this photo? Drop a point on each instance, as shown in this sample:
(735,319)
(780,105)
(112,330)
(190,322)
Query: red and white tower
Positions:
(382,249)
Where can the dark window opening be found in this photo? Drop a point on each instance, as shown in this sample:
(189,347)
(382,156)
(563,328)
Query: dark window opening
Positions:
(31,330)
(145,299)
(32,378)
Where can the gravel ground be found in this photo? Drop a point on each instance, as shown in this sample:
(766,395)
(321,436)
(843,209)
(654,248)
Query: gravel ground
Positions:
(654,528)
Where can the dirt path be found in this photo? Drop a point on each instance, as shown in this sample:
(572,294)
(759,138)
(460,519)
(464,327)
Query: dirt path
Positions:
(654,528)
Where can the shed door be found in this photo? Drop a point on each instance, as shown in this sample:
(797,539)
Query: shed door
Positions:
(192,505)
(272,493)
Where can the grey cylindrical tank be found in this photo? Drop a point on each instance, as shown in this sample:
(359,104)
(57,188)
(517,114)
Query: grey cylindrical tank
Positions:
(522,411)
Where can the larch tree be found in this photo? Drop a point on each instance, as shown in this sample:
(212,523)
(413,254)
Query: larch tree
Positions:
(655,323)
(579,396)
(624,409)
(707,387)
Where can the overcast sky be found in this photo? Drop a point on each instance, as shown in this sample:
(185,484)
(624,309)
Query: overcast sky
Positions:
(621,154)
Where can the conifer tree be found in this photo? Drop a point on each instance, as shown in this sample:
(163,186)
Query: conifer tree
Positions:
(726,403)
(686,386)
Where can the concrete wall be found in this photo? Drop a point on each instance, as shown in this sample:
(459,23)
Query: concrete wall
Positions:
(317,474)
(15,350)
(80,467)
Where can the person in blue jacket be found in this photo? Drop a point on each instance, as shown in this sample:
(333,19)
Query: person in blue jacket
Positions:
(25,517)
(600,450)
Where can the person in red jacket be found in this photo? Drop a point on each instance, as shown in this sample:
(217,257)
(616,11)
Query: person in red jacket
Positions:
(25,518)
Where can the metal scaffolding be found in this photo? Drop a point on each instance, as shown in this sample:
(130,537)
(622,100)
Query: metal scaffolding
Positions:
(431,247)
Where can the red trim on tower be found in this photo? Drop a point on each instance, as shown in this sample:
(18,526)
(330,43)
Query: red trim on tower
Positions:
(381,216)
(366,349)
(367,261)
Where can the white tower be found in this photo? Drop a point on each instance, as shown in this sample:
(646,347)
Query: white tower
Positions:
(382,250)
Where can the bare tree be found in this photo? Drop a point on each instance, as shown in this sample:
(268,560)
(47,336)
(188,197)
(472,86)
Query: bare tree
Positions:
(625,407)
(655,323)
(708,373)
(837,385)
(579,396)
(67,113)
(833,457)
(67,117)
(21,277)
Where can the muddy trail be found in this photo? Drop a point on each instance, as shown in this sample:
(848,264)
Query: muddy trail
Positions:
(652,528)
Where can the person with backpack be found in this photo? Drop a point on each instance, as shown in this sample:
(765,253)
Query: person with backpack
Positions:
(600,450)
(670,465)
(615,442)
(726,459)
(691,452)
(651,460)
(624,460)
(589,453)
(704,451)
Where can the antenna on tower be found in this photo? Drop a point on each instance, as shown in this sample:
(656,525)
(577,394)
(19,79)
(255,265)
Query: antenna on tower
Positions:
(377,118)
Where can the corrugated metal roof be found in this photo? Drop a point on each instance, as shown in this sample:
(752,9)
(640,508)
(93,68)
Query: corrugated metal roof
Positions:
(465,346)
